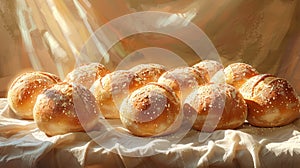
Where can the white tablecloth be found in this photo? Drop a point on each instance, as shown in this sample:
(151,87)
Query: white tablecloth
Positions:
(22,144)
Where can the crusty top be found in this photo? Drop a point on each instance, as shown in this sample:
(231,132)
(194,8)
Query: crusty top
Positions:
(217,106)
(151,110)
(64,108)
(272,101)
(87,74)
(24,90)
(182,80)
(238,73)
(149,72)
(211,66)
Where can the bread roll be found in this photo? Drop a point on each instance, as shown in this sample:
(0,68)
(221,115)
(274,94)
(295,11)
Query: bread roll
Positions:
(151,110)
(87,74)
(24,90)
(66,108)
(211,66)
(182,80)
(110,91)
(272,101)
(214,107)
(149,72)
(237,74)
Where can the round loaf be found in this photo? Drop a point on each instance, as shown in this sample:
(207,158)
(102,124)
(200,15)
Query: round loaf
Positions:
(24,90)
(149,72)
(211,66)
(66,108)
(271,101)
(237,74)
(214,107)
(87,74)
(110,91)
(151,110)
(182,80)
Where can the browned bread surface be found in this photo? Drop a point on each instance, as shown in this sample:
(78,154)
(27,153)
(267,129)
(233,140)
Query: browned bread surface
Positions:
(24,90)
(65,108)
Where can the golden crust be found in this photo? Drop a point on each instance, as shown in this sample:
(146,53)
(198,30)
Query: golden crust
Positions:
(65,108)
(215,106)
(211,66)
(87,74)
(24,90)
(149,72)
(272,101)
(151,110)
(182,80)
(237,74)
(112,89)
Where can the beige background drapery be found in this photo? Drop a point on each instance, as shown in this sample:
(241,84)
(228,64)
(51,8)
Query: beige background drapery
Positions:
(49,35)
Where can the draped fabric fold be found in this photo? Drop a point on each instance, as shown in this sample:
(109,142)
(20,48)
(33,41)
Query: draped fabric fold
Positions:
(22,144)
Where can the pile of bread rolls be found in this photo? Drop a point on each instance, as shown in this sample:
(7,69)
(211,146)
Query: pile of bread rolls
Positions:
(151,100)
(57,106)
